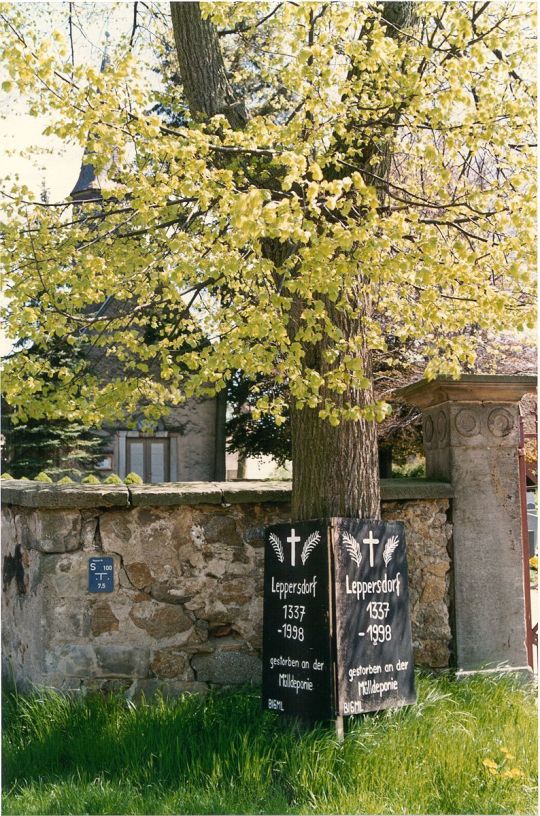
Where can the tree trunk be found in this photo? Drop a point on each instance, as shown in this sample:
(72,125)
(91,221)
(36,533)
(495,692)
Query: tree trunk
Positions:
(241,467)
(204,77)
(335,469)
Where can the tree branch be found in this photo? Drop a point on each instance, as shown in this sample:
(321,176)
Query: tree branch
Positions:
(134,28)
(241,27)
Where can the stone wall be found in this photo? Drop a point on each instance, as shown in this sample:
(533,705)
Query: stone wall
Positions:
(186,610)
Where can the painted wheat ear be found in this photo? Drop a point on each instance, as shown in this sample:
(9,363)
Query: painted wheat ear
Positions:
(352,546)
(277,547)
(311,542)
(389,548)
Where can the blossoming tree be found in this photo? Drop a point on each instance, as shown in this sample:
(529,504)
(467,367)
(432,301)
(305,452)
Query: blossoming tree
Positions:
(345,177)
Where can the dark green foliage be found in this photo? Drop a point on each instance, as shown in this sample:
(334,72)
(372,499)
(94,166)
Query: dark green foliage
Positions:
(400,436)
(253,438)
(33,445)
(49,445)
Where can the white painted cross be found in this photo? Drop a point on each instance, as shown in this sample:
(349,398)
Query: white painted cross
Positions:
(371,541)
(292,540)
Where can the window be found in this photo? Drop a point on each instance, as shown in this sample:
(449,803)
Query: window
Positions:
(106,463)
(149,457)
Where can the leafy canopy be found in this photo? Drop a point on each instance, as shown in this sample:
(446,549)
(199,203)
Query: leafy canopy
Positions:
(339,101)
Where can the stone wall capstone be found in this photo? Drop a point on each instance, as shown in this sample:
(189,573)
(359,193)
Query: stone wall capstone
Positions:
(186,609)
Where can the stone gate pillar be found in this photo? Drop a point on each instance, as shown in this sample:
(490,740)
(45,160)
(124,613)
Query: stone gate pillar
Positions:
(471,438)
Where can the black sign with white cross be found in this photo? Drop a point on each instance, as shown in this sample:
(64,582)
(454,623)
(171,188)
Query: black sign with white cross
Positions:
(373,630)
(336,632)
(298,674)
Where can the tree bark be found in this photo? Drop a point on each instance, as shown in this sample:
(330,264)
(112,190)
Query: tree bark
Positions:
(335,470)
(204,77)
(241,467)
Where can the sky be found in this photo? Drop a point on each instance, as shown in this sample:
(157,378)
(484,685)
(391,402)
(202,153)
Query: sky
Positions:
(56,164)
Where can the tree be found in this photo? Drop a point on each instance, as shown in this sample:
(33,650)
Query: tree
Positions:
(48,445)
(254,438)
(41,444)
(351,178)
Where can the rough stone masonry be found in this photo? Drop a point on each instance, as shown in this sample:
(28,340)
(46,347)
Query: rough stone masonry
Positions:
(186,610)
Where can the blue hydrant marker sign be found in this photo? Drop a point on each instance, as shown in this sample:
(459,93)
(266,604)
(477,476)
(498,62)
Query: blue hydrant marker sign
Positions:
(101,574)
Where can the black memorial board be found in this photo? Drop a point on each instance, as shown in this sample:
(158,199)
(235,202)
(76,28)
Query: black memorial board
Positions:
(298,671)
(373,630)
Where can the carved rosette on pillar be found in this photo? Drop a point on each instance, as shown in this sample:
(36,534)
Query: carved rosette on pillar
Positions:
(471,439)
(337,632)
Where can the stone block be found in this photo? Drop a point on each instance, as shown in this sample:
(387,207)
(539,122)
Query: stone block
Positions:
(434,583)
(432,621)
(14,569)
(107,685)
(52,531)
(89,529)
(171,662)
(227,668)
(411,489)
(237,591)
(9,528)
(123,661)
(161,620)
(139,575)
(200,632)
(152,556)
(175,494)
(117,530)
(64,621)
(76,660)
(103,619)
(433,654)
(55,496)
(256,492)
(209,608)
(221,529)
(66,576)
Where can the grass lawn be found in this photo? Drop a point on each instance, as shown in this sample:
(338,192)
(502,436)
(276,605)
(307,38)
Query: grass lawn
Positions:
(469,746)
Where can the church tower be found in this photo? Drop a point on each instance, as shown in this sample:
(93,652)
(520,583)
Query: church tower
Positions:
(188,442)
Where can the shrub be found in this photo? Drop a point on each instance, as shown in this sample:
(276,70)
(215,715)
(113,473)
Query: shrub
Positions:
(42,477)
(90,479)
(534,562)
(113,479)
(6,476)
(65,480)
(57,473)
(133,478)
(409,471)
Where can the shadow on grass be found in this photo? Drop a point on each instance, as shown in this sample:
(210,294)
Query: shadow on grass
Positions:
(222,754)
(51,736)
